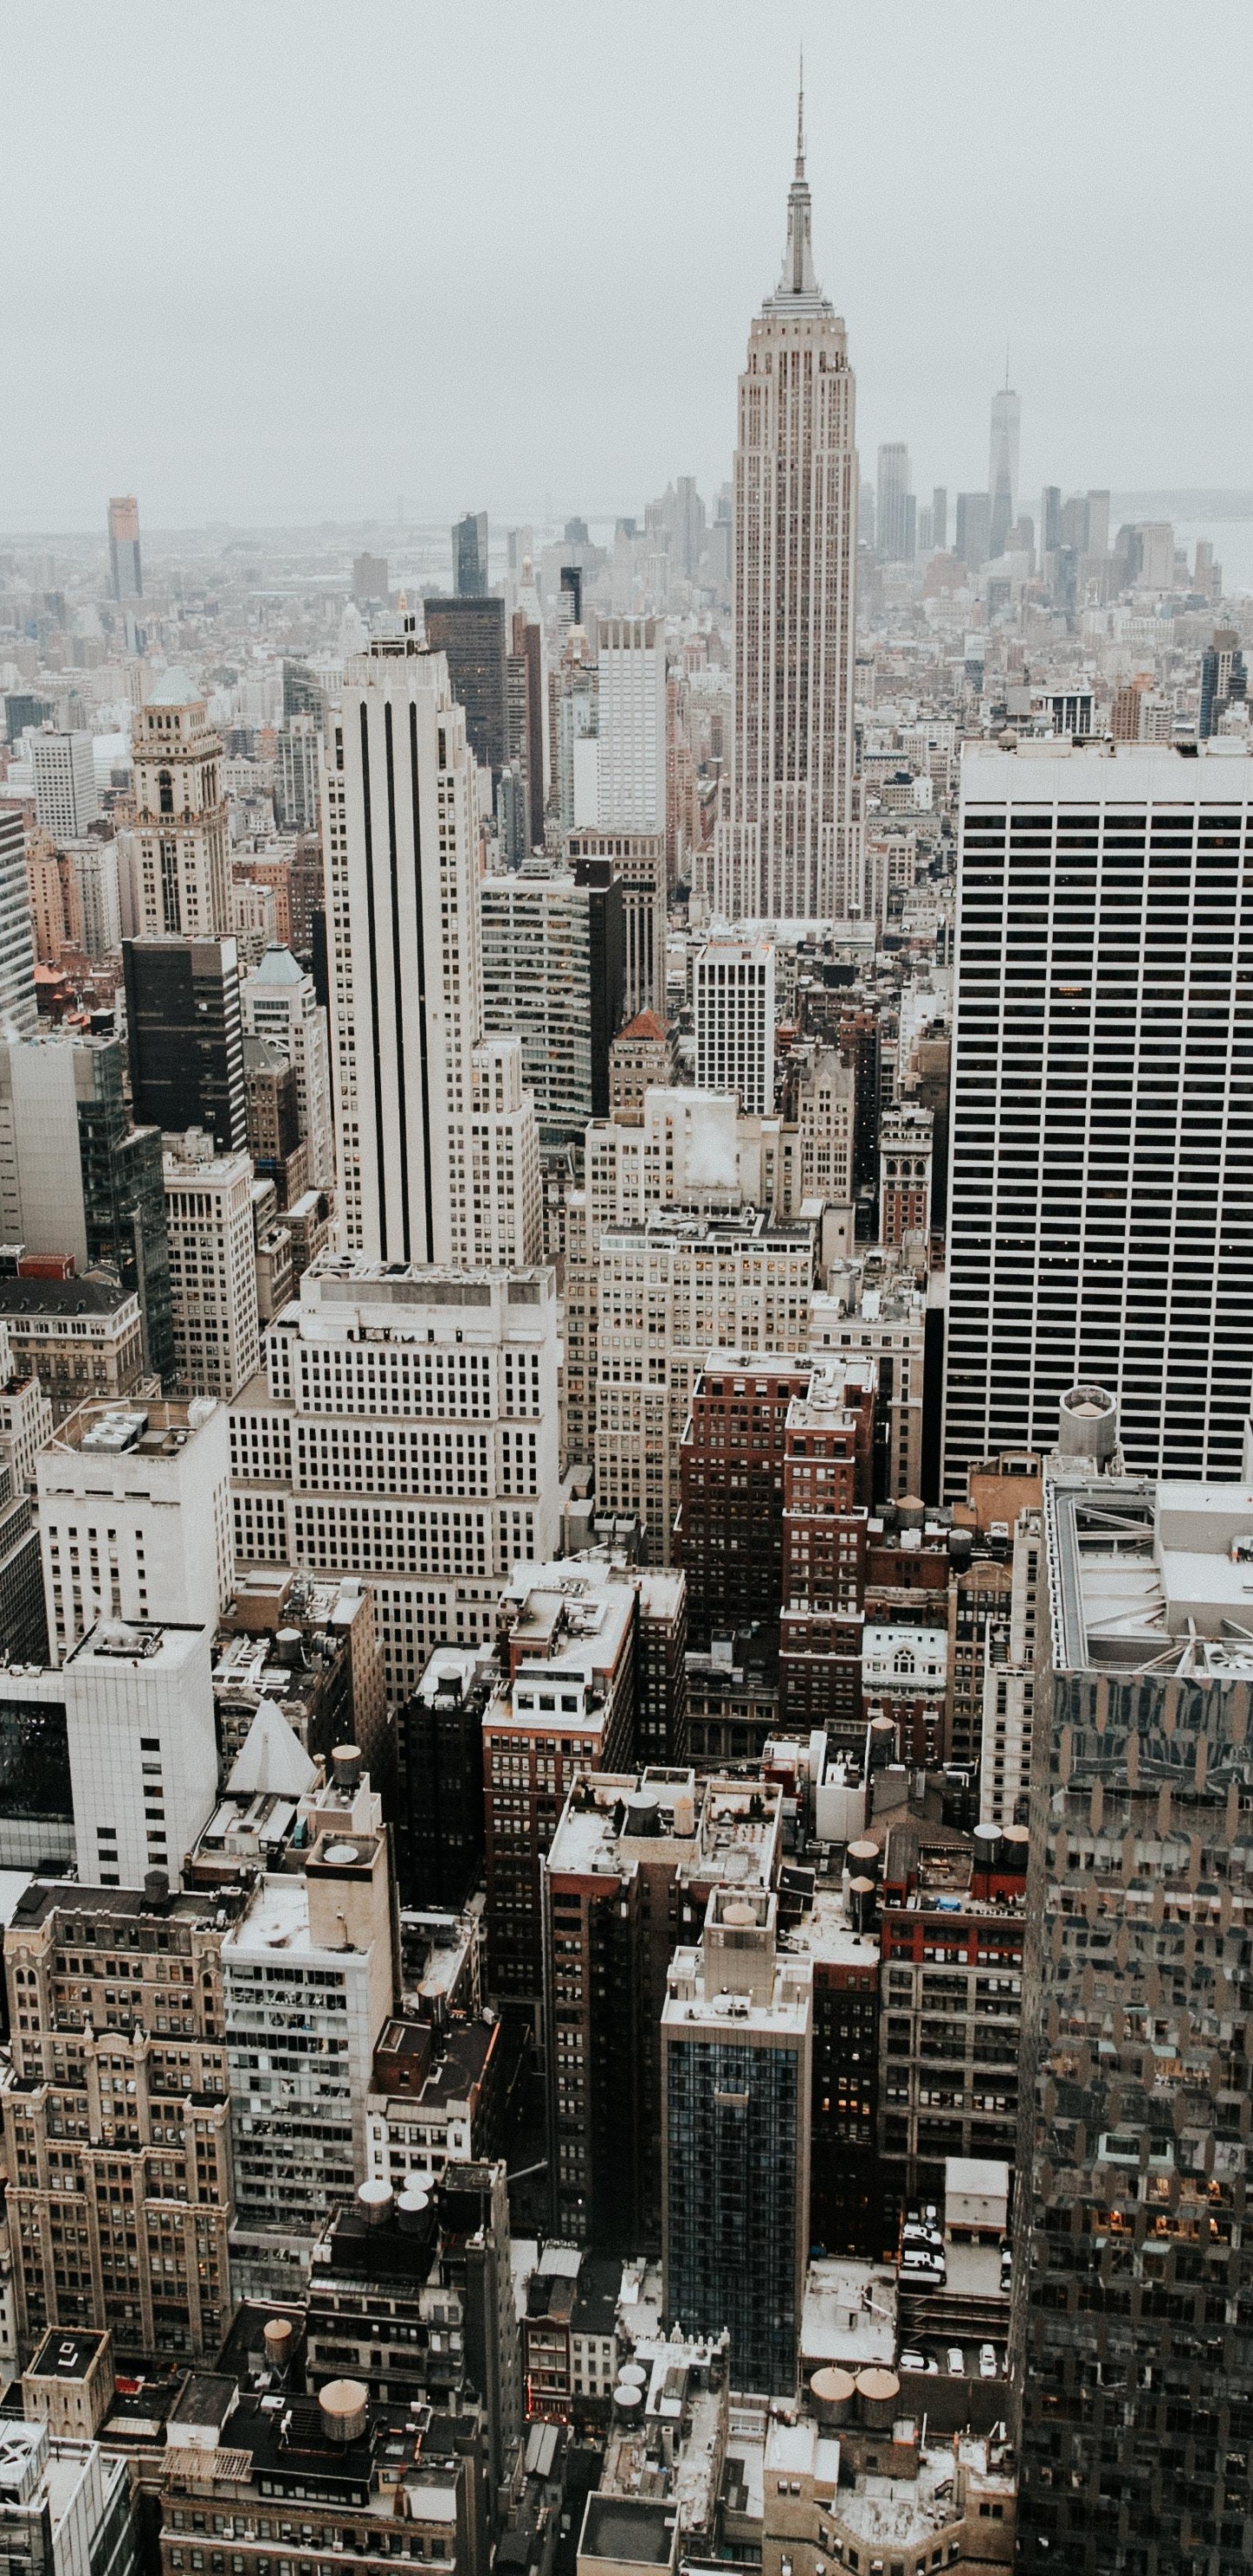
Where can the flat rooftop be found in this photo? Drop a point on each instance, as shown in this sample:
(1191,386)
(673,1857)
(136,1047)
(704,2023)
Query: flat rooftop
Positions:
(1151,1577)
(629,2528)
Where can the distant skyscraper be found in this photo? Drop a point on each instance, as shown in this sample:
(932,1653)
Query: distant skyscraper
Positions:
(631,764)
(125,573)
(1224,678)
(438,1151)
(973,519)
(1003,468)
(471,633)
(65,783)
(469,555)
(1051,518)
(19,1011)
(180,826)
(1101,1173)
(892,515)
(185,1037)
(939,517)
(789,848)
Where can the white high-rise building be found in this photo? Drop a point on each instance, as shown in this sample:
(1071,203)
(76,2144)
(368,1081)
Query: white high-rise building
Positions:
(405,1429)
(733,1007)
(65,783)
(279,1002)
(631,764)
(789,848)
(177,848)
(96,876)
(438,1150)
(142,1746)
(1101,1156)
(134,1509)
(19,1011)
(213,1269)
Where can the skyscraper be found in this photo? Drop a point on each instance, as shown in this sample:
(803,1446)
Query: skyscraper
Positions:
(19,1011)
(125,575)
(893,516)
(1003,468)
(185,1037)
(631,764)
(65,783)
(1224,679)
(180,815)
(437,1146)
(733,1007)
(1101,1157)
(1138,2379)
(789,849)
(939,517)
(469,555)
(471,633)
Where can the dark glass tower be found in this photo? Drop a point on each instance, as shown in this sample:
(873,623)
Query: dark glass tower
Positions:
(185,1037)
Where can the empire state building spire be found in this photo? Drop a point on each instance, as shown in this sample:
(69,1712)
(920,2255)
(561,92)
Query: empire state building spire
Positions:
(798,288)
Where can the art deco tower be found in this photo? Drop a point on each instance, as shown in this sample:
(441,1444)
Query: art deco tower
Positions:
(788,849)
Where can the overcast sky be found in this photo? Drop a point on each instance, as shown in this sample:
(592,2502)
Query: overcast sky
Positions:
(274,261)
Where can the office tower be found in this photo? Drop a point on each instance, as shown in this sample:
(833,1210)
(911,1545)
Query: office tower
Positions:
(570,595)
(1050,520)
(26,1424)
(299,2051)
(278,1003)
(668,1292)
(213,1276)
(470,633)
(553,976)
(953,1903)
(564,1704)
(303,693)
(939,518)
(1003,469)
(1224,680)
(1098,524)
(631,763)
(733,1007)
(94,872)
(76,1179)
(63,2497)
(891,498)
(275,1145)
(436,2327)
(297,789)
(973,532)
(642,1058)
(125,573)
(180,829)
(469,556)
(142,1747)
(827,1486)
(1098,1227)
(19,1011)
(635,861)
(405,1431)
(439,1743)
(631,1867)
(1006,1718)
(64,770)
(184,1038)
(789,849)
(1138,2366)
(437,1146)
(737,2050)
(110,2141)
(728,1531)
(369,581)
(904,1175)
(134,1518)
(525,683)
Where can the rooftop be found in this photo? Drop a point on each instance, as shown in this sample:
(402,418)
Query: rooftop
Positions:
(91,1292)
(1151,1577)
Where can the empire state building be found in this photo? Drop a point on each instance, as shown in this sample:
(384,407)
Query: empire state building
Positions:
(789,847)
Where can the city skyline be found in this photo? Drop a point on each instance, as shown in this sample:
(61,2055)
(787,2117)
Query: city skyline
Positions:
(641,393)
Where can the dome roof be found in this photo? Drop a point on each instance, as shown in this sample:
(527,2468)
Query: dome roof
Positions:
(278,966)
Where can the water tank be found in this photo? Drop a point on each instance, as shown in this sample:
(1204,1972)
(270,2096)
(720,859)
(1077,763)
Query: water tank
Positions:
(882,1732)
(277,2340)
(287,1645)
(642,1816)
(960,1549)
(413,2209)
(833,2392)
(346,1766)
(341,1855)
(911,1513)
(987,1843)
(375,2201)
(629,2401)
(865,1859)
(1089,1424)
(632,2375)
(878,2395)
(1015,1847)
(344,2406)
(861,1904)
(739,1915)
